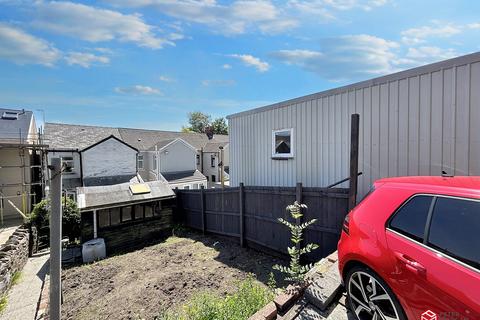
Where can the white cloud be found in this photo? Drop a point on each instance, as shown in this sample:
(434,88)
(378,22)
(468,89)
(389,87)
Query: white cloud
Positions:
(237,17)
(420,34)
(475,25)
(23,48)
(138,89)
(252,61)
(326,8)
(166,79)
(227,66)
(220,83)
(85,59)
(425,55)
(96,25)
(346,57)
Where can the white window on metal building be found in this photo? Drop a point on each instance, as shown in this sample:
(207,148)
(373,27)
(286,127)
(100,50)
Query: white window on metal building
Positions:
(282,143)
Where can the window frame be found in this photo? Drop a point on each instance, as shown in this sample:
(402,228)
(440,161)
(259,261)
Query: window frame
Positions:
(71,160)
(276,155)
(140,159)
(212,161)
(426,235)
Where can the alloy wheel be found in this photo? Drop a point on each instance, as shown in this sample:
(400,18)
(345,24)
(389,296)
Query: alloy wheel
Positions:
(369,299)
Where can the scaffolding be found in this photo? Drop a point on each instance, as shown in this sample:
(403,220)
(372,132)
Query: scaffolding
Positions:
(25,173)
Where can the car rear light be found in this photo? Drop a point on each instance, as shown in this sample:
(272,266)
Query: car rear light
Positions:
(346,224)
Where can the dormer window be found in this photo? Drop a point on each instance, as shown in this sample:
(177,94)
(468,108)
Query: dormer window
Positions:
(282,143)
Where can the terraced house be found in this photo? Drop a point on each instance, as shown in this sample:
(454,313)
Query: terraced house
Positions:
(106,155)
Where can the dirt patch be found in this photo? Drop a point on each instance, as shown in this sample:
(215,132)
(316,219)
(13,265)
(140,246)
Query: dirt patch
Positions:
(140,284)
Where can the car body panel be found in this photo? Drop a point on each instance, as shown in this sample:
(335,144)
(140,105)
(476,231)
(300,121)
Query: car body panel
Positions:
(446,287)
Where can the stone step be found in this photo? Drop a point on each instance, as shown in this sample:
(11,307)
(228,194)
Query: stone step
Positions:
(324,288)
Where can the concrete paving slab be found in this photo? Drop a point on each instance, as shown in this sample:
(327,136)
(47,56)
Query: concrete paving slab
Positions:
(324,288)
(22,299)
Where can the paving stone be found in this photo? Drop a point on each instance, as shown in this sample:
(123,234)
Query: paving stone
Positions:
(311,312)
(324,288)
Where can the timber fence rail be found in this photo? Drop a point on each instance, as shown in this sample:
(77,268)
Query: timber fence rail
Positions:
(251,214)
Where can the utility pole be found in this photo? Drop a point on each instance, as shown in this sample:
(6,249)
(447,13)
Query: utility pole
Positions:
(222,178)
(55,239)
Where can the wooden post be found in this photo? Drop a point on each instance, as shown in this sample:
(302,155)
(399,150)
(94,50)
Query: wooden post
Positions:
(241,198)
(55,239)
(298,198)
(222,178)
(202,208)
(354,135)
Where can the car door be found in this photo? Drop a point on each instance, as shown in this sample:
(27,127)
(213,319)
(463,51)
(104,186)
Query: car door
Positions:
(429,280)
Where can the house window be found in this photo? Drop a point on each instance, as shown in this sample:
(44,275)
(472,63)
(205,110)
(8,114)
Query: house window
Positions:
(213,178)
(186,187)
(282,143)
(140,161)
(198,159)
(69,165)
(154,162)
(212,161)
(126,213)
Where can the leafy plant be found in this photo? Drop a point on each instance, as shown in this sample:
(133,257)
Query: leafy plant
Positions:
(295,272)
(40,217)
(250,297)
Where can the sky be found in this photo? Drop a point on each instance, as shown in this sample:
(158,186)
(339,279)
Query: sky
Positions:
(147,63)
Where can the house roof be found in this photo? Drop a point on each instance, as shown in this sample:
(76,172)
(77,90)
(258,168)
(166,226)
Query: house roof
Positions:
(117,195)
(214,146)
(69,136)
(13,130)
(184,176)
(72,136)
(165,143)
(108,138)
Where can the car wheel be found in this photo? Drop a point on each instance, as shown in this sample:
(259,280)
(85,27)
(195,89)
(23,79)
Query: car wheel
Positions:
(370,298)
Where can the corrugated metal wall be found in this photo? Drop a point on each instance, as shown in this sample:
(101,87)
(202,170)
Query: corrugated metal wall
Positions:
(416,122)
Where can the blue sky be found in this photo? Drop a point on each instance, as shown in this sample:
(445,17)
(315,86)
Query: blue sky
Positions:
(147,63)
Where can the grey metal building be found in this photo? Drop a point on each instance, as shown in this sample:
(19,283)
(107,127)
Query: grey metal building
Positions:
(415,122)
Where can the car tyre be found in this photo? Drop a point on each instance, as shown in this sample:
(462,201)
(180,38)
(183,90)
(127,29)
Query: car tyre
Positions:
(369,297)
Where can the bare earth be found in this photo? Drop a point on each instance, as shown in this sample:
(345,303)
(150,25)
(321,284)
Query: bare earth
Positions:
(140,284)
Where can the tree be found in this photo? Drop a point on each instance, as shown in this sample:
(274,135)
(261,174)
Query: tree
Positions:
(40,217)
(198,121)
(295,272)
(220,126)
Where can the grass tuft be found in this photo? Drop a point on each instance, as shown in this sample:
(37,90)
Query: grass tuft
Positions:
(250,297)
(3,303)
(16,278)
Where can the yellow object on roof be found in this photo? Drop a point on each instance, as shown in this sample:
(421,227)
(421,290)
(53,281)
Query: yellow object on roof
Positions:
(139,188)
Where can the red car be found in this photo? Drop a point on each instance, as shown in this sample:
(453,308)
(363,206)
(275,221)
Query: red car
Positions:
(411,250)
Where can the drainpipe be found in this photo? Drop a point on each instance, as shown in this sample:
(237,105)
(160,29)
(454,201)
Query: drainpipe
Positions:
(94,224)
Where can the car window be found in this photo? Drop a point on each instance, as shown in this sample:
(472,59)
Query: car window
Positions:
(454,229)
(411,218)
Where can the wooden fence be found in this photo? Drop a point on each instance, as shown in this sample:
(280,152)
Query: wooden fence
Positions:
(251,214)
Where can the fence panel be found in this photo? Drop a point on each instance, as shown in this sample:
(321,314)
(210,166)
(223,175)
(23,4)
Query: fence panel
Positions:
(262,208)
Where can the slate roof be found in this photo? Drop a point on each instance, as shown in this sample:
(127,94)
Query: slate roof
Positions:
(71,136)
(161,144)
(68,136)
(119,195)
(214,146)
(10,130)
(184,176)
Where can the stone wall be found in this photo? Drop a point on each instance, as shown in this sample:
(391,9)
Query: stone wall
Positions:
(13,256)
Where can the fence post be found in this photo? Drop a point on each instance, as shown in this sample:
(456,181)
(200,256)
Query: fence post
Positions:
(55,239)
(298,198)
(241,197)
(354,134)
(202,208)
